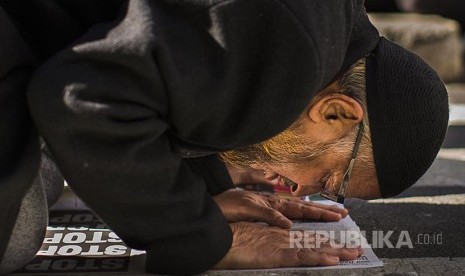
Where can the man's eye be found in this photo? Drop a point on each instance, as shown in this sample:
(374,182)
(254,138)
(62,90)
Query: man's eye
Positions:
(327,182)
(288,182)
(324,181)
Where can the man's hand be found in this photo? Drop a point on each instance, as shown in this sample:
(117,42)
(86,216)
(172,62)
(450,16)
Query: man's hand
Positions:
(261,246)
(239,205)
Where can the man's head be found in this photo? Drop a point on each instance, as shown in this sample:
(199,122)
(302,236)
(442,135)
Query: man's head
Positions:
(315,151)
(403,105)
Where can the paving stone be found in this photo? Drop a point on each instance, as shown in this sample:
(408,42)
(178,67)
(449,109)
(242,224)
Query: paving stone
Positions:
(456,93)
(455,137)
(392,267)
(452,154)
(434,38)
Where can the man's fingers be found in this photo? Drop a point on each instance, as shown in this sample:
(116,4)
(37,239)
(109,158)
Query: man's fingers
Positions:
(295,210)
(333,207)
(304,257)
(270,216)
(316,213)
(325,255)
(300,209)
(342,253)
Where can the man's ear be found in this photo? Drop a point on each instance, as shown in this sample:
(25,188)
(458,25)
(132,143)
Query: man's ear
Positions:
(337,112)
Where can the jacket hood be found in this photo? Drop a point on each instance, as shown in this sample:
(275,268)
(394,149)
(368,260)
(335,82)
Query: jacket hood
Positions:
(255,64)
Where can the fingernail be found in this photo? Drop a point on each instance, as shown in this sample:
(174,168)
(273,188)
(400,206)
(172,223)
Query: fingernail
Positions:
(334,258)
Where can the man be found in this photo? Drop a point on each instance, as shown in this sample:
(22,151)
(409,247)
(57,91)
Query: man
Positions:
(134,110)
(33,31)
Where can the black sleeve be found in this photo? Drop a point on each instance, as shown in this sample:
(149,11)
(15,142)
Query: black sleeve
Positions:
(19,148)
(101,108)
(213,171)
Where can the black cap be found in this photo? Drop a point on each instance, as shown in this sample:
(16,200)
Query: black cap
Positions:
(408,112)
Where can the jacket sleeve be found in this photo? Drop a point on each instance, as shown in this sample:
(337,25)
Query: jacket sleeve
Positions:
(214,173)
(19,148)
(101,108)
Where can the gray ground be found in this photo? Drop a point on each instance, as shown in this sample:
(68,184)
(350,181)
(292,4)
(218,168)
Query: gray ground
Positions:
(428,217)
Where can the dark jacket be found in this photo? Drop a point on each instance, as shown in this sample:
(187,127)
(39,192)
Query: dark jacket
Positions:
(19,150)
(120,107)
(30,32)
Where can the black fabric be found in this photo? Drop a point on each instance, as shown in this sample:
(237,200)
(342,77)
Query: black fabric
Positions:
(118,108)
(30,32)
(408,111)
(48,26)
(19,147)
(381,6)
(214,173)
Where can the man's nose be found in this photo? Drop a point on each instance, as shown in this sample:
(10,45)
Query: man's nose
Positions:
(304,190)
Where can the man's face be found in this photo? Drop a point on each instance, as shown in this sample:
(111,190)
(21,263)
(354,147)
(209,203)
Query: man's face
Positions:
(326,173)
(315,155)
(330,131)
